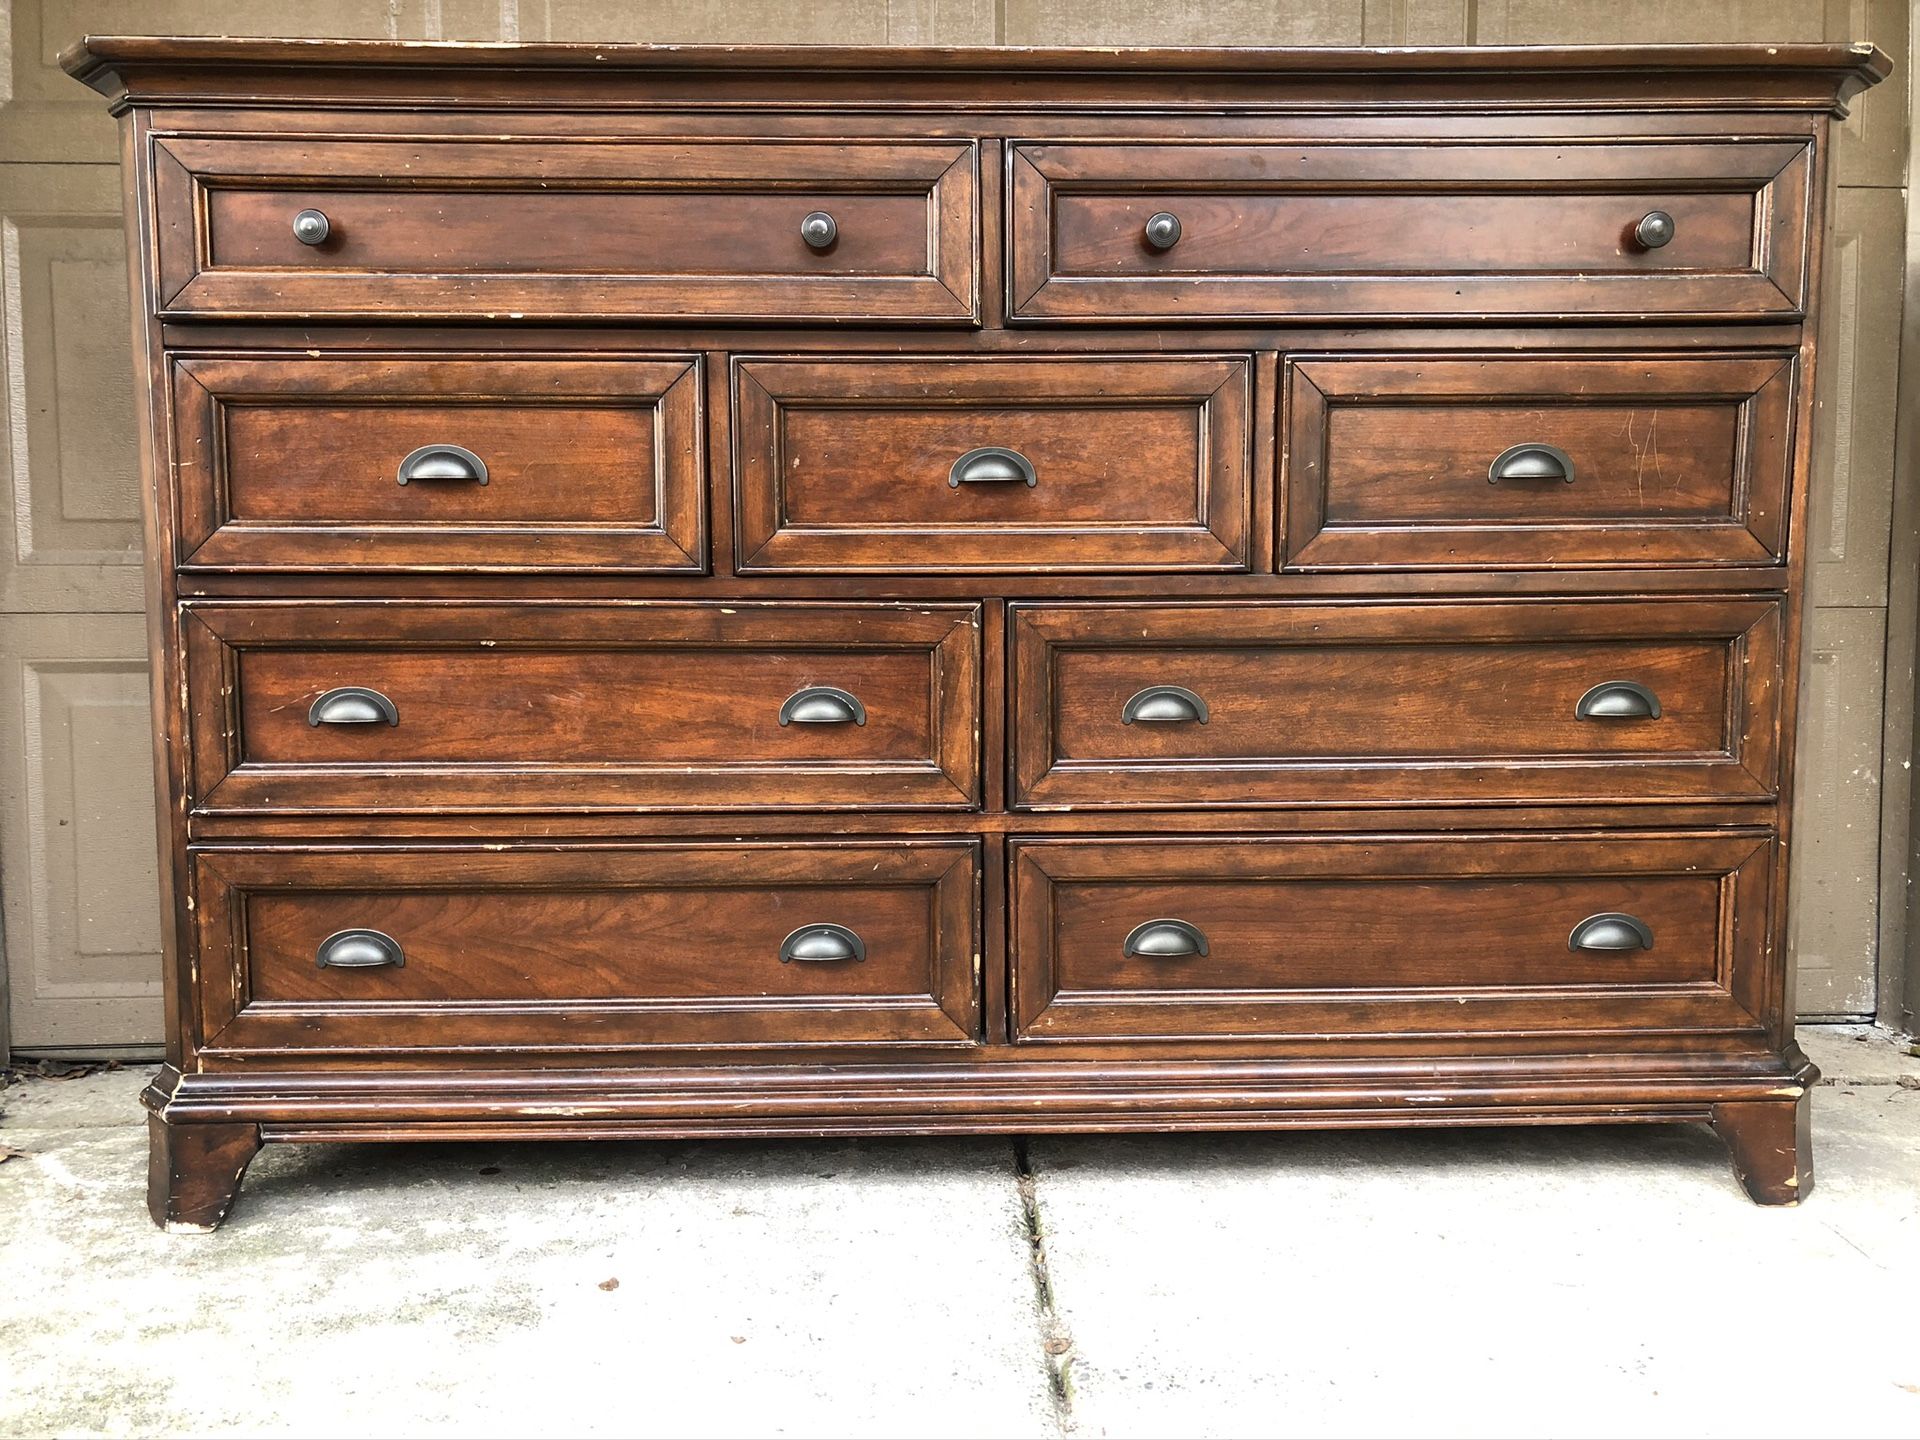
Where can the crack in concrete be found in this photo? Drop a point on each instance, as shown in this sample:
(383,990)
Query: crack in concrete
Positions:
(1056,1344)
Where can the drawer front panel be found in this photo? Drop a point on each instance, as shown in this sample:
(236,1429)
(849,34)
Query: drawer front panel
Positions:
(584,948)
(529,229)
(1134,463)
(568,464)
(1511,463)
(1394,704)
(1503,229)
(511,707)
(1351,935)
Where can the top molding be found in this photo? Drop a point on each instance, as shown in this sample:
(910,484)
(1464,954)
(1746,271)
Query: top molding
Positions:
(140,70)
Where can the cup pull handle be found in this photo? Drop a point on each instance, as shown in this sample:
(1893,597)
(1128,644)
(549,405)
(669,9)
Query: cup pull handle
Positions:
(353,705)
(443,462)
(822,944)
(1164,704)
(359,950)
(1610,932)
(1618,700)
(992,465)
(1165,940)
(1531,461)
(823,705)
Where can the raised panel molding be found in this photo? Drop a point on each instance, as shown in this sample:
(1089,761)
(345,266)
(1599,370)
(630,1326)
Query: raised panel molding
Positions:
(70,530)
(78,864)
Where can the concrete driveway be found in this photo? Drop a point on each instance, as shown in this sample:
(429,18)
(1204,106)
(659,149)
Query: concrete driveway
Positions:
(1527,1282)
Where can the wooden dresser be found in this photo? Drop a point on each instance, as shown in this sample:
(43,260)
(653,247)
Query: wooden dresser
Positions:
(775,592)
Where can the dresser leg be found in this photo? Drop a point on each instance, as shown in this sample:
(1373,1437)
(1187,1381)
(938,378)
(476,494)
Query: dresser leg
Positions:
(1772,1145)
(193,1171)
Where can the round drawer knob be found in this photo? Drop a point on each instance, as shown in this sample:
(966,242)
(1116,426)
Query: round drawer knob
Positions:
(1163,231)
(310,227)
(819,230)
(1654,230)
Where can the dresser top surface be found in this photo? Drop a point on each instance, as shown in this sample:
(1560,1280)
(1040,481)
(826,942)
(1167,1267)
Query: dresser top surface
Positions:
(1828,74)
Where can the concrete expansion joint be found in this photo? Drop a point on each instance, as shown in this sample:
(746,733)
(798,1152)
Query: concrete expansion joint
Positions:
(1056,1343)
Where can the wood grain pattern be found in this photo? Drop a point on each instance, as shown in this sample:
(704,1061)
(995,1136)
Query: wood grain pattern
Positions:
(1677,460)
(1260,463)
(293,464)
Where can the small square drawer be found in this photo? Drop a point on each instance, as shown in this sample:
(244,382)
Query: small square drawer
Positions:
(1229,705)
(1190,938)
(413,707)
(1497,229)
(584,948)
(1116,463)
(297,228)
(390,463)
(1491,463)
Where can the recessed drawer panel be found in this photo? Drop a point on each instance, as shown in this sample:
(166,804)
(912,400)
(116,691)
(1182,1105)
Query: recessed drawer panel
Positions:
(1507,229)
(309,463)
(1356,935)
(981,464)
(415,707)
(615,229)
(586,948)
(1394,704)
(1421,461)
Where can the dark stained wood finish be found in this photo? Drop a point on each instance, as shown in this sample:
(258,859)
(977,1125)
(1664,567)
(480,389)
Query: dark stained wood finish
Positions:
(1677,460)
(1427,703)
(582,707)
(530,230)
(589,949)
(1142,463)
(1261,458)
(1339,935)
(1520,230)
(294,463)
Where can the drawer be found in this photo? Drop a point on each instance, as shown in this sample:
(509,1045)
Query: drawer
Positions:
(1232,705)
(1131,462)
(1422,461)
(1507,229)
(588,948)
(1361,935)
(379,462)
(527,228)
(403,707)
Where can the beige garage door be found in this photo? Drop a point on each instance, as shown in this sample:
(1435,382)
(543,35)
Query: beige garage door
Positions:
(76,834)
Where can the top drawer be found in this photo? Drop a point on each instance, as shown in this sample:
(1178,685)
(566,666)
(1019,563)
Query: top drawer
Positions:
(1537,230)
(542,229)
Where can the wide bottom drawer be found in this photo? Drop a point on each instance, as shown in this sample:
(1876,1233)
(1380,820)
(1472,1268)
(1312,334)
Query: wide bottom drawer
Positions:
(1365,935)
(584,947)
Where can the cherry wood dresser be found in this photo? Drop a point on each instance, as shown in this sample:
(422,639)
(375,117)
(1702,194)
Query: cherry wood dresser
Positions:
(775,592)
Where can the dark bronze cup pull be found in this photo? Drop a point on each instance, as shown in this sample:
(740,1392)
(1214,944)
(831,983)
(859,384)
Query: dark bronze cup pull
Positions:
(1165,940)
(443,462)
(311,227)
(1655,229)
(353,705)
(1610,932)
(1531,462)
(819,230)
(1163,231)
(823,705)
(822,944)
(1618,700)
(990,465)
(1164,704)
(359,950)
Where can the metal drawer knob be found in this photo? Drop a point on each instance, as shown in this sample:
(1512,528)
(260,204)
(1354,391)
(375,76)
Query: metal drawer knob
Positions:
(823,705)
(1531,462)
(822,944)
(1654,230)
(819,230)
(443,462)
(353,705)
(1618,700)
(1163,231)
(311,227)
(992,465)
(1610,932)
(359,950)
(1165,940)
(1164,705)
